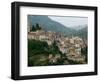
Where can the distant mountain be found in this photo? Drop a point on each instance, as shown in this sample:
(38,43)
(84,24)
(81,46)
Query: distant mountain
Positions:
(50,25)
(83,33)
(79,27)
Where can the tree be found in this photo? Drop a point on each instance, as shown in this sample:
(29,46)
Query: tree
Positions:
(33,28)
(38,26)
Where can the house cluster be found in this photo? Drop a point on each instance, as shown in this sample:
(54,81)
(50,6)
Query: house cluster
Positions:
(70,46)
(42,35)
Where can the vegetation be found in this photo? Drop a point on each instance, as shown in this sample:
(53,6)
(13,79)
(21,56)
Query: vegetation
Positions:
(35,27)
(38,53)
(84,52)
(40,49)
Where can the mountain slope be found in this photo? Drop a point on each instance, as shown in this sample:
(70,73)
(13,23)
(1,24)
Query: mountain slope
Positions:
(49,25)
(79,27)
(83,33)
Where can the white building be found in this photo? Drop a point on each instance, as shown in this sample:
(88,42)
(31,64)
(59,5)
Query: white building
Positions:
(63,50)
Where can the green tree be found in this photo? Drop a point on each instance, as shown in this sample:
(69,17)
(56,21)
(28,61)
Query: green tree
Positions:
(33,28)
(38,26)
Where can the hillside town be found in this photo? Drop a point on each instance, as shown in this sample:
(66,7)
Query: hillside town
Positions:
(71,47)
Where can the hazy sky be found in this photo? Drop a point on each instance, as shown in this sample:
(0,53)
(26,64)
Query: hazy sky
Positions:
(70,21)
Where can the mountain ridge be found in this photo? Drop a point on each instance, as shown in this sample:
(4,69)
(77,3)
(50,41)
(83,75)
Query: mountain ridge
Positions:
(50,25)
